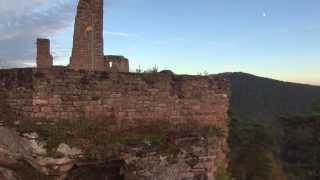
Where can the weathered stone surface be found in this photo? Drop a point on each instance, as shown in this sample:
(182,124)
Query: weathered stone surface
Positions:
(197,160)
(69,151)
(128,100)
(12,146)
(44,58)
(116,63)
(87,52)
(7,174)
(15,149)
(31,136)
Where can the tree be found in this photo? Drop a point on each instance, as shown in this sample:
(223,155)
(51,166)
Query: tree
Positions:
(252,147)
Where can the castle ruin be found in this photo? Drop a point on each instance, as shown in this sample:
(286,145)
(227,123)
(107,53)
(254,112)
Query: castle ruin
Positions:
(87,52)
(89,89)
(128,101)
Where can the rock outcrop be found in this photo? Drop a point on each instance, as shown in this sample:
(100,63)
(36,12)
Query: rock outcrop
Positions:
(16,149)
(193,153)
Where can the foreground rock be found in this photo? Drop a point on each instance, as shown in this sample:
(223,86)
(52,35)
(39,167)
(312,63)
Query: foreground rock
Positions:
(15,150)
(188,155)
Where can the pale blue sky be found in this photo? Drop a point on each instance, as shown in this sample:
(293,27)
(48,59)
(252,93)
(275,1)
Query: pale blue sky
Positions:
(273,38)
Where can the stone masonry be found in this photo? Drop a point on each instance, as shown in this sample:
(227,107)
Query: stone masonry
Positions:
(44,58)
(60,93)
(126,100)
(87,52)
(130,100)
(116,63)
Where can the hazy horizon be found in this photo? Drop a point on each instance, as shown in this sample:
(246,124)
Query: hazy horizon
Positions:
(268,38)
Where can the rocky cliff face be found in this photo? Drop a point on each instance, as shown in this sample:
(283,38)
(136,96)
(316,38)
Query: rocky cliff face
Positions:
(179,153)
(63,124)
(18,151)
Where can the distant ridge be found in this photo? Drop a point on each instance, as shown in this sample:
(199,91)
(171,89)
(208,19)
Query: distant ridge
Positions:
(264,100)
(9,65)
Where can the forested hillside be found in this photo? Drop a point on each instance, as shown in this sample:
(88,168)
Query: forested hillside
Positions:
(274,129)
(265,100)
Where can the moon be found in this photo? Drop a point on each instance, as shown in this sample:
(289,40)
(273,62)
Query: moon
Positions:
(264,14)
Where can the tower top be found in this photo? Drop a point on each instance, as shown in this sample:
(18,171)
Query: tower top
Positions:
(87,51)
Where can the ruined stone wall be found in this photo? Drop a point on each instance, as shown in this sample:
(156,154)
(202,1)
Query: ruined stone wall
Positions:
(16,91)
(44,58)
(60,93)
(116,63)
(131,100)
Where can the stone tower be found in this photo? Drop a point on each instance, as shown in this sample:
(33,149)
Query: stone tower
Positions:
(44,58)
(87,51)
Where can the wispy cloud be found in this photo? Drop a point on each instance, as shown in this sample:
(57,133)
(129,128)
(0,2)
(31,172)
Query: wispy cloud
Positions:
(22,21)
(15,64)
(170,41)
(120,34)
